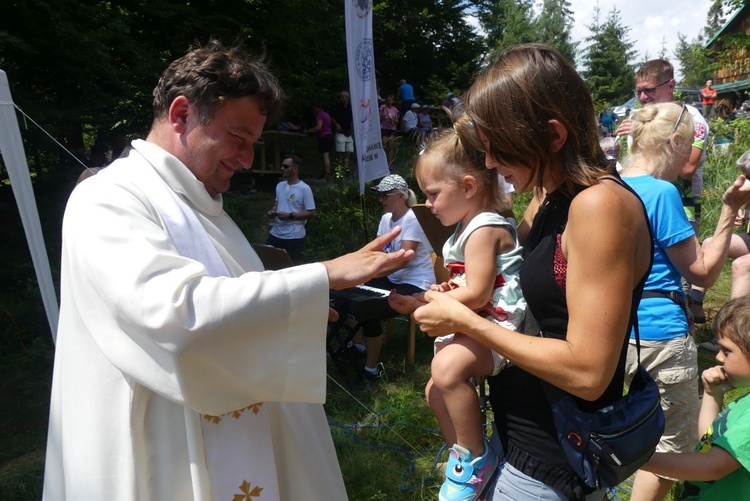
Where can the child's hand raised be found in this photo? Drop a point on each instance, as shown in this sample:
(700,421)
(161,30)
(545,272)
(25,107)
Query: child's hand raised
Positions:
(715,381)
(405,305)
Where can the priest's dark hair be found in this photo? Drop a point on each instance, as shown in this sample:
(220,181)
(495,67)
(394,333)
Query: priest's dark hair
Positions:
(209,75)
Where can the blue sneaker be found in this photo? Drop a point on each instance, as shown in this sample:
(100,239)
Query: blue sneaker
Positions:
(466,478)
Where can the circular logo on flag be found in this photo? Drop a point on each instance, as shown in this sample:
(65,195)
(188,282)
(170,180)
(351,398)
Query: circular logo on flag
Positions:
(362,7)
(363,59)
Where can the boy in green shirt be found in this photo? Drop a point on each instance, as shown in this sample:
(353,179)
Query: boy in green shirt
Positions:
(719,468)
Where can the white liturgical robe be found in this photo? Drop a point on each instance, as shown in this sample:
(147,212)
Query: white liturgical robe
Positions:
(172,382)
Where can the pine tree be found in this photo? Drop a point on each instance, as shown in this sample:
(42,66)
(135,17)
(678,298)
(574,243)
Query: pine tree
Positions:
(553,26)
(694,61)
(715,17)
(608,70)
(506,22)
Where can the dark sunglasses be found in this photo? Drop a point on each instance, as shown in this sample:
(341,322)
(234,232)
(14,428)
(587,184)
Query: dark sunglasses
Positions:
(650,90)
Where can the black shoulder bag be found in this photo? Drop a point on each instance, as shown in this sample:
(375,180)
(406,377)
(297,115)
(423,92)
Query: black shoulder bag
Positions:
(607,446)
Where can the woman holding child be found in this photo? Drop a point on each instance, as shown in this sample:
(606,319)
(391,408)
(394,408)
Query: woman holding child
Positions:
(587,253)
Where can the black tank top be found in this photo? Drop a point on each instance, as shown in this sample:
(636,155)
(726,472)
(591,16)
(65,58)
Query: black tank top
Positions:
(522,411)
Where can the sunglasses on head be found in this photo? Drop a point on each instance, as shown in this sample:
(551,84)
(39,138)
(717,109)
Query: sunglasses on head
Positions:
(679,118)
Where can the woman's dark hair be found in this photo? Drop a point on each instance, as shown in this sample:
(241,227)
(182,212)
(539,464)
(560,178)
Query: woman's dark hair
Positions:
(511,103)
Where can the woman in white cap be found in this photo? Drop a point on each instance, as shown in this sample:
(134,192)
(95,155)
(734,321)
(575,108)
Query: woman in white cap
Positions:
(410,277)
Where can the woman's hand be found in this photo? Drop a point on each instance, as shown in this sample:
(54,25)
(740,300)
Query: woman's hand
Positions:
(738,193)
(442,315)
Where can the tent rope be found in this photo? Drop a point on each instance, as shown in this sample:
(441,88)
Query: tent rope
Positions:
(373,413)
(26,116)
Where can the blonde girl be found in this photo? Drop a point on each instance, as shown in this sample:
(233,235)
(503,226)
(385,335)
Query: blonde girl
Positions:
(484,258)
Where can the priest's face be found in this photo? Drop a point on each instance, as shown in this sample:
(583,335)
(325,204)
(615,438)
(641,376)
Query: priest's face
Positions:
(216,149)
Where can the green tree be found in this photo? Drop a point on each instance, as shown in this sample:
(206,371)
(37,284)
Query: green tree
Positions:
(553,27)
(716,16)
(306,45)
(695,62)
(84,69)
(426,42)
(608,70)
(506,23)
(79,68)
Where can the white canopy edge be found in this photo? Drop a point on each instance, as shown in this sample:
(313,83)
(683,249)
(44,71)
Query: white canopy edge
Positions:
(14,157)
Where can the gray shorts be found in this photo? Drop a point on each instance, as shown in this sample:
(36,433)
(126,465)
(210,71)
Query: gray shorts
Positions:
(344,143)
(674,366)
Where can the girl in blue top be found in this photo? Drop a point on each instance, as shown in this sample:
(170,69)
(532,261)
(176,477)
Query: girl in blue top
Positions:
(484,258)
(662,139)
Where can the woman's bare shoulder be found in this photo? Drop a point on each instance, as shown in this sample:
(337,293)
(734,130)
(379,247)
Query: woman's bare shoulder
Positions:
(608,198)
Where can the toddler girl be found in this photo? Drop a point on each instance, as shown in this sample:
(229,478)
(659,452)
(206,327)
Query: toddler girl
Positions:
(484,257)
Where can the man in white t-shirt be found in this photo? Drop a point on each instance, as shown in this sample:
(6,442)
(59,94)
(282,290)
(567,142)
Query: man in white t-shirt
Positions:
(655,83)
(293,207)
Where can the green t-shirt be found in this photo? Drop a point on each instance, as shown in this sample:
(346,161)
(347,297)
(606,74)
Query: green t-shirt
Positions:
(730,431)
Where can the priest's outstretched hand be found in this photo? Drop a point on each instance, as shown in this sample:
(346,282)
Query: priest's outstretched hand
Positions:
(358,267)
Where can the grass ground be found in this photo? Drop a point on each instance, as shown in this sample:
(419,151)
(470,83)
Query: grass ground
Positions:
(387,440)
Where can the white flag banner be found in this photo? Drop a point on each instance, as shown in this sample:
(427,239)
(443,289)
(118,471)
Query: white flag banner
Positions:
(371,159)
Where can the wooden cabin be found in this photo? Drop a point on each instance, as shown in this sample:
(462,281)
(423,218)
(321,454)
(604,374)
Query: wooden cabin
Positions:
(732,80)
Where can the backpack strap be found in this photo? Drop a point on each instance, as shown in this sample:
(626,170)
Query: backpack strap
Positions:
(675,296)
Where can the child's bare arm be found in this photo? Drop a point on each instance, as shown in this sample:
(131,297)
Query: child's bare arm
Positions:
(703,467)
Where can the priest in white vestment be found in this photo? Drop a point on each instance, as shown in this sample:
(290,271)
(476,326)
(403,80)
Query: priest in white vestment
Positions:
(182,370)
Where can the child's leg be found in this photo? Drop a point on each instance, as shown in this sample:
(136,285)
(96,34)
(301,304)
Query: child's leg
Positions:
(437,406)
(453,397)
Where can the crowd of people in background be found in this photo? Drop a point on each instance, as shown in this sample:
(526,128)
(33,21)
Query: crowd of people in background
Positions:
(400,116)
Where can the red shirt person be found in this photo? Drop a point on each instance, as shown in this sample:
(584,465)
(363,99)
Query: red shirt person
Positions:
(708,99)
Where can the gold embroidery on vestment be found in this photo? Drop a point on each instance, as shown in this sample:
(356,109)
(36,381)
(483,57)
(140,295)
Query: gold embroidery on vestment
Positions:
(254,408)
(247,493)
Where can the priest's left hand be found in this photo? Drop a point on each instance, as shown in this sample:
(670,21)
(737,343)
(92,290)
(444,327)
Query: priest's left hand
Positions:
(358,267)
